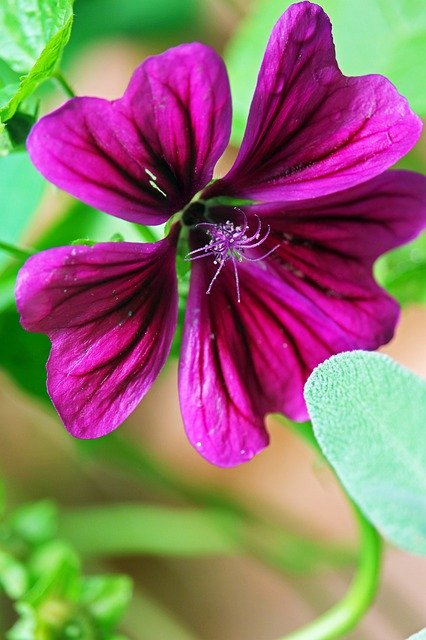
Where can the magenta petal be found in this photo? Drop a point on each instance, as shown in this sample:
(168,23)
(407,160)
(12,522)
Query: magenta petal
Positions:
(327,247)
(242,360)
(110,311)
(359,224)
(144,156)
(313,296)
(222,418)
(311,130)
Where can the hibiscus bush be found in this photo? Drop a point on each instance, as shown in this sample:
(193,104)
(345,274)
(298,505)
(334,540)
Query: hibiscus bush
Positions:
(233,224)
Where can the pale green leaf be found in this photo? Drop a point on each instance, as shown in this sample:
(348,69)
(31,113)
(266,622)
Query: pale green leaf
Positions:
(106,598)
(421,635)
(13,575)
(368,415)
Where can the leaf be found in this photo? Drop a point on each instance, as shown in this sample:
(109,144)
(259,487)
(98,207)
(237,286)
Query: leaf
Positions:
(132,18)
(402,272)
(35,523)
(13,575)
(421,635)
(55,571)
(370,37)
(21,188)
(33,34)
(106,598)
(151,529)
(368,417)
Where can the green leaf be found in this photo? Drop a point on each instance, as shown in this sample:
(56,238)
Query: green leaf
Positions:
(35,523)
(368,417)
(21,188)
(370,37)
(106,598)
(23,355)
(55,572)
(33,34)
(25,627)
(132,18)
(13,575)
(402,272)
(150,529)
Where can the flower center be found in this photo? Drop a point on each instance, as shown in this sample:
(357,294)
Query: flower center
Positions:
(230,241)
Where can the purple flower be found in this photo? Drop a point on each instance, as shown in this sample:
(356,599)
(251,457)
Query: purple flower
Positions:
(280,280)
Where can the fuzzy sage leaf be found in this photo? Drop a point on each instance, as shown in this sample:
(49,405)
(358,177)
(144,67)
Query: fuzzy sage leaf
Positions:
(368,417)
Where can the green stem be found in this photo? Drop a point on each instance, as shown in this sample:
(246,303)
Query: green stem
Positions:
(16,252)
(345,615)
(64,84)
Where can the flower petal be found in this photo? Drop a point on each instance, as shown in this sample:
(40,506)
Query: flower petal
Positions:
(240,361)
(326,249)
(144,156)
(313,296)
(359,224)
(110,311)
(311,130)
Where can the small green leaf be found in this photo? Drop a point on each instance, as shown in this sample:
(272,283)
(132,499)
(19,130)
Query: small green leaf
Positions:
(35,523)
(13,576)
(55,571)
(106,598)
(33,34)
(368,417)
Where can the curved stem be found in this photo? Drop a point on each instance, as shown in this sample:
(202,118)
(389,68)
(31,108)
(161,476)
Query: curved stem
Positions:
(64,84)
(343,616)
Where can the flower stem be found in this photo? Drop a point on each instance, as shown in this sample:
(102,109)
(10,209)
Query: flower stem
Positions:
(344,616)
(64,84)
(14,251)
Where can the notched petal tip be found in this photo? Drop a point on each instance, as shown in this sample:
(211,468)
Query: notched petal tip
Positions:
(144,156)
(311,130)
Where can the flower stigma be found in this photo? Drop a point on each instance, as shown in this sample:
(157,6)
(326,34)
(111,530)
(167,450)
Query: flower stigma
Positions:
(230,241)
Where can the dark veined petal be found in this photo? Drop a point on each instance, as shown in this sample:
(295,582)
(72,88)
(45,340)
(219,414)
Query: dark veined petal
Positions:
(241,360)
(326,249)
(110,311)
(313,296)
(144,156)
(311,130)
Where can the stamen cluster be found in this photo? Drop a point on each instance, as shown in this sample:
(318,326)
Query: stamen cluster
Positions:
(229,242)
